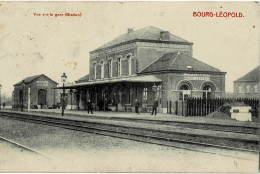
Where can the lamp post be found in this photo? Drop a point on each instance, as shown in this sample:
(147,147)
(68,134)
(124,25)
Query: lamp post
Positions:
(63,80)
(23,86)
(0,95)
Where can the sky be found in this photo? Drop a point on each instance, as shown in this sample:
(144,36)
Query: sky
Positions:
(32,45)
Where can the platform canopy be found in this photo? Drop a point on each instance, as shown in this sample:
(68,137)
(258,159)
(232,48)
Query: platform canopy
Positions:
(133,79)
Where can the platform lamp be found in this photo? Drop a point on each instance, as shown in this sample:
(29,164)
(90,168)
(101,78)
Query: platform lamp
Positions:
(0,95)
(23,87)
(63,80)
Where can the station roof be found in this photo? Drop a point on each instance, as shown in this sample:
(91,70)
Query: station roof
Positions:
(252,76)
(177,61)
(136,79)
(148,33)
(28,80)
(83,79)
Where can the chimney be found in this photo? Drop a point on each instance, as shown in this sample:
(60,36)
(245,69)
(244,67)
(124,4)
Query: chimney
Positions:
(165,35)
(130,30)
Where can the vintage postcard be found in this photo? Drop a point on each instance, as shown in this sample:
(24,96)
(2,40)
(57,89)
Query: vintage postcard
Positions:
(129,86)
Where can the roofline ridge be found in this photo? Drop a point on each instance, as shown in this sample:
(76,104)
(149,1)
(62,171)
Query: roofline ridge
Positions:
(36,77)
(26,78)
(258,67)
(145,29)
(152,63)
(201,62)
(105,46)
(178,53)
(179,37)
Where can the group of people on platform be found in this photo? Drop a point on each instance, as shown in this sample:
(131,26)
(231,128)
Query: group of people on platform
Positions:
(137,104)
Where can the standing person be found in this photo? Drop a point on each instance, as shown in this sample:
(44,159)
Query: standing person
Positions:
(89,107)
(137,106)
(3,105)
(155,105)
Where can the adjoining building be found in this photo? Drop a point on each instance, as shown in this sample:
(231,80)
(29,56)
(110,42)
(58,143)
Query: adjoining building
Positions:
(247,86)
(38,91)
(146,64)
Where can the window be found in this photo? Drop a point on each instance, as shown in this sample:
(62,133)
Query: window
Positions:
(145,95)
(159,95)
(129,65)
(255,88)
(95,70)
(247,88)
(119,67)
(184,92)
(102,70)
(207,92)
(110,68)
(240,89)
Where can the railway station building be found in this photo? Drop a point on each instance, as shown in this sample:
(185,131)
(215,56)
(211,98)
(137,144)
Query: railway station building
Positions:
(247,86)
(37,91)
(146,64)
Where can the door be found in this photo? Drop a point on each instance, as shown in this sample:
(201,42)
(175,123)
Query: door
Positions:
(42,94)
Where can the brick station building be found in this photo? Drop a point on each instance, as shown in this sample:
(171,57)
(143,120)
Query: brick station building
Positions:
(247,86)
(146,64)
(38,90)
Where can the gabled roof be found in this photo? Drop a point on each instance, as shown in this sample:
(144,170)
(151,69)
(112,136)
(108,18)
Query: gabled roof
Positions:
(252,76)
(178,62)
(148,33)
(83,79)
(28,80)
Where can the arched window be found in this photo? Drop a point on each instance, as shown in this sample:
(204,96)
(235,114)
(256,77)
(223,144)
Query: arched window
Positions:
(119,66)
(240,91)
(102,69)
(184,87)
(110,68)
(145,95)
(95,70)
(185,91)
(247,88)
(255,88)
(129,65)
(208,92)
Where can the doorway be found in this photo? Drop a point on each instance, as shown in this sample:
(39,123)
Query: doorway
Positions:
(42,94)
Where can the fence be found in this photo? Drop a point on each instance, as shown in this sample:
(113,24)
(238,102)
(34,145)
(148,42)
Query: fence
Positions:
(203,107)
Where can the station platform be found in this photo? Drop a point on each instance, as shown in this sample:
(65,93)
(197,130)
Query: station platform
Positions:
(145,116)
(130,119)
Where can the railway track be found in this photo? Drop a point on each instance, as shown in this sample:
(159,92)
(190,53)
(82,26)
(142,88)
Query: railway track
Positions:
(24,148)
(165,138)
(205,126)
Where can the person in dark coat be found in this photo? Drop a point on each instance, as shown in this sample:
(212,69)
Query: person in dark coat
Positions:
(89,104)
(137,106)
(155,105)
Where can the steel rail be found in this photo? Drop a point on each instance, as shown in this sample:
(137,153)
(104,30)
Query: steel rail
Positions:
(193,125)
(24,147)
(112,133)
(62,120)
